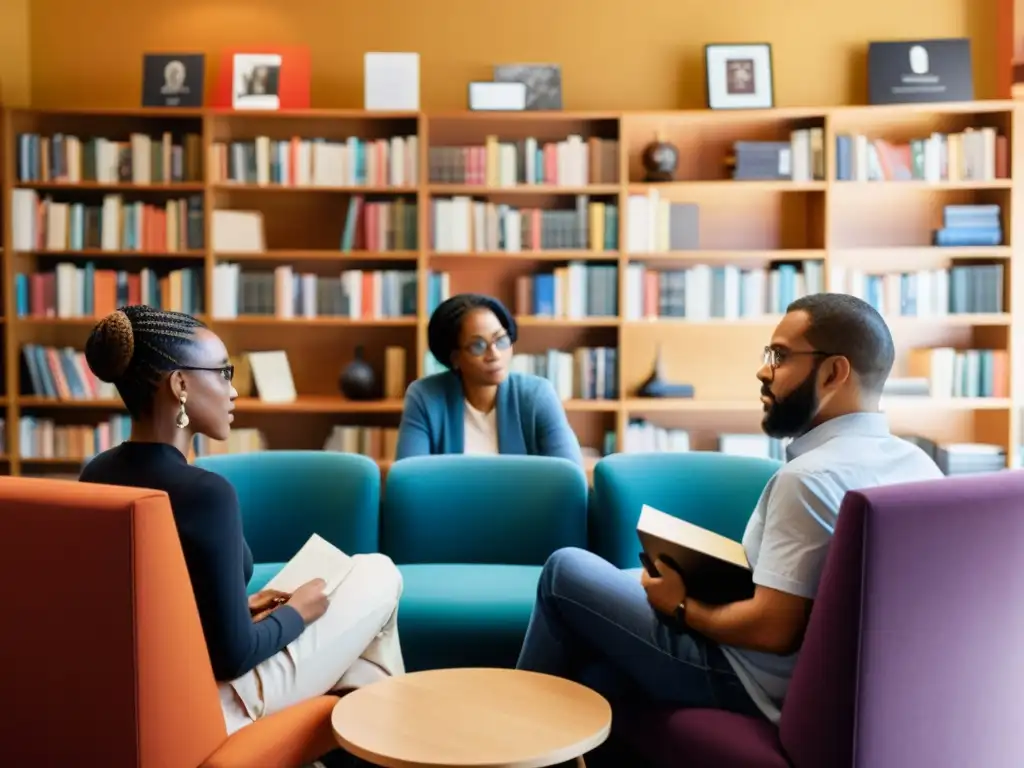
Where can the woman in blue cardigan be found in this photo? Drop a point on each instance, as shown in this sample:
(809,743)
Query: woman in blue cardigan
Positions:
(478,406)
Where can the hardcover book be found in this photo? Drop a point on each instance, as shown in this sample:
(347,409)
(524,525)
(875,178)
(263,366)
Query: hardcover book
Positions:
(714,568)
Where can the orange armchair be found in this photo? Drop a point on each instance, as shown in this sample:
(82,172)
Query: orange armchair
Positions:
(102,658)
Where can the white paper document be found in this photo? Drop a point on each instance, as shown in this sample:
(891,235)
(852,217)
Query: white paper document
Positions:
(318,559)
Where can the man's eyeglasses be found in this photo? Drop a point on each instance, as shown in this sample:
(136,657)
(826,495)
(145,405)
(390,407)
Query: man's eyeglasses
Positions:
(477,347)
(774,356)
(227,371)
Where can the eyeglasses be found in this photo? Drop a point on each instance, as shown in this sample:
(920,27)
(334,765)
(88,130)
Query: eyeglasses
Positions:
(774,357)
(477,347)
(227,371)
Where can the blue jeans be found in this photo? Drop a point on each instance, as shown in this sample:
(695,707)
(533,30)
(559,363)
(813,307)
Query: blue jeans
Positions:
(592,623)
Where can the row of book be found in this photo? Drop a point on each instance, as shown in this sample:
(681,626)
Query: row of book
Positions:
(380,226)
(40,223)
(40,438)
(61,373)
(657,225)
(85,291)
(142,159)
(643,436)
(572,162)
(802,158)
(586,373)
(284,293)
(574,292)
(954,372)
(464,225)
(975,154)
(703,292)
(319,162)
(973,289)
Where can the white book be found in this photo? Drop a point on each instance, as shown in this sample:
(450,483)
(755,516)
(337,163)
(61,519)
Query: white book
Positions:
(318,559)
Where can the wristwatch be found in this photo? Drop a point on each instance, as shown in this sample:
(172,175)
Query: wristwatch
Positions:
(680,615)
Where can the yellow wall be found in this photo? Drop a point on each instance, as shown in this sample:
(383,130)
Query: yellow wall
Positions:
(615,54)
(15,83)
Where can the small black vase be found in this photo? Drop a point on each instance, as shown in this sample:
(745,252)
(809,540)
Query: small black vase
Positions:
(357,380)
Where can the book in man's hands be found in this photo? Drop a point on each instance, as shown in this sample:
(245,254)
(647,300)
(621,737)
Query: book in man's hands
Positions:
(714,568)
(318,559)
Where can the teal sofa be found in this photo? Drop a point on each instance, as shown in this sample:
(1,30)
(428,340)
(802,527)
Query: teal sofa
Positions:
(470,535)
(287,496)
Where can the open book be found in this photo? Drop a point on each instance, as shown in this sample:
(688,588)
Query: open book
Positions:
(714,568)
(318,559)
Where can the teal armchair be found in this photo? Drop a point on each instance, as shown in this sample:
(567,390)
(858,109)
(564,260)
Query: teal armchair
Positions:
(470,534)
(286,496)
(714,490)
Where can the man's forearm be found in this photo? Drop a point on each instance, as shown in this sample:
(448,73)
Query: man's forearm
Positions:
(743,624)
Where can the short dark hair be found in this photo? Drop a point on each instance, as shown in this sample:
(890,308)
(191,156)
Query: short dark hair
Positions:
(446,323)
(133,347)
(841,324)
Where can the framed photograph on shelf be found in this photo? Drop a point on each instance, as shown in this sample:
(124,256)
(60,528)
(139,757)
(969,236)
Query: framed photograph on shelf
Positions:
(739,75)
(256,81)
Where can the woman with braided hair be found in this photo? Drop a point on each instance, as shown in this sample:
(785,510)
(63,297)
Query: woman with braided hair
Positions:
(478,406)
(271,650)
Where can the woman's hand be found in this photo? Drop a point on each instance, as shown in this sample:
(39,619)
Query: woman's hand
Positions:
(263,602)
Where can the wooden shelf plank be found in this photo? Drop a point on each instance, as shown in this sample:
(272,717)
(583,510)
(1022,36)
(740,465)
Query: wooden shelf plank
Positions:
(90,186)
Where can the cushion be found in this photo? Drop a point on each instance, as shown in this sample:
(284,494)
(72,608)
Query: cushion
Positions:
(713,490)
(465,615)
(286,496)
(482,509)
(701,738)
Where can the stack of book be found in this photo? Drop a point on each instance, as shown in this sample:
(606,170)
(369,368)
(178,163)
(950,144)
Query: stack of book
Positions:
(970,225)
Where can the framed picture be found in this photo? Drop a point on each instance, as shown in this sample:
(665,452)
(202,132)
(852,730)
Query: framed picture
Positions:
(256,81)
(543,83)
(739,76)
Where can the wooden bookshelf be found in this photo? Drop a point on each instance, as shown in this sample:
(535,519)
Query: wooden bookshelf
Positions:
(849,228)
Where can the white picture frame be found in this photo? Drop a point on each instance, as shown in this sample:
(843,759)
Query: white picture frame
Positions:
(739,75)
(256,81)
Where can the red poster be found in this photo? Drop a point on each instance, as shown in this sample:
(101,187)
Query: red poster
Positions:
(293,80)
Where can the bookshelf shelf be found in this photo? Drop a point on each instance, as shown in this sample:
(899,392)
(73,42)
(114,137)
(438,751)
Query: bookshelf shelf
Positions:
(837,222)
(530,255)
(100,253)
(312,189)
(85,186)
(285,255)
(522,189)
(389,322)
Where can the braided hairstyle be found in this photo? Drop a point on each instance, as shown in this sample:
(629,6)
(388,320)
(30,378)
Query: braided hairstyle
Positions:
(133,347)
(446,323)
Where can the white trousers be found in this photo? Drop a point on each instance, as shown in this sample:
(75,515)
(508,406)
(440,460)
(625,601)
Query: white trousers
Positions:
(353,644)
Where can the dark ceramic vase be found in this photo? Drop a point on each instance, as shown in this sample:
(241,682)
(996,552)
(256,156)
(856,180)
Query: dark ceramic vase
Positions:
(357,380)
(660,160)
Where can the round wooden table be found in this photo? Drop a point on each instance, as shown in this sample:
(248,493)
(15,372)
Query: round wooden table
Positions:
(461,718)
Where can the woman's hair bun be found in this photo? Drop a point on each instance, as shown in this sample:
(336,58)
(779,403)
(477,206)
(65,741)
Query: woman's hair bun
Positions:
(110,346)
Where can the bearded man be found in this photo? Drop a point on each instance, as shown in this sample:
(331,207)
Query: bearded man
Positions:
(643,640)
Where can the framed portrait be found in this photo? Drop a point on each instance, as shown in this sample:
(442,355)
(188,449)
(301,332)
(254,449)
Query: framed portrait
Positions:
(739,76)
(255,81)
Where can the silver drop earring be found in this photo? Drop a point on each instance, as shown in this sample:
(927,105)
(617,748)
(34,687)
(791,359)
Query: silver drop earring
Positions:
(182,421)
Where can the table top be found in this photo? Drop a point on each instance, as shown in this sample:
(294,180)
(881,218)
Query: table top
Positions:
(498,718)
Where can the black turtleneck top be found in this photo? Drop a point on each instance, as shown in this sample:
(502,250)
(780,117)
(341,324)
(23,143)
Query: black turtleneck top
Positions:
(219,561)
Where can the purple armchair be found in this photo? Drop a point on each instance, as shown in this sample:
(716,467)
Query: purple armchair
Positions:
(925,671)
